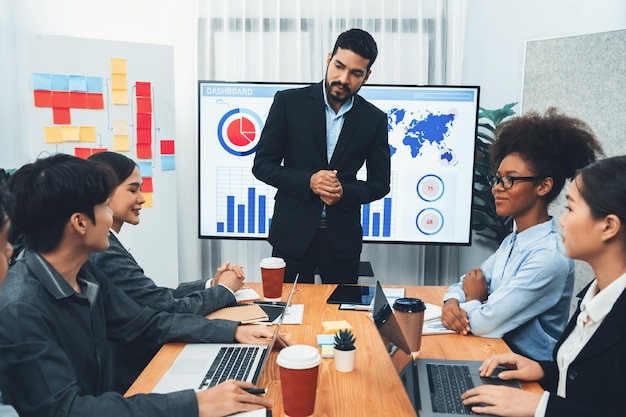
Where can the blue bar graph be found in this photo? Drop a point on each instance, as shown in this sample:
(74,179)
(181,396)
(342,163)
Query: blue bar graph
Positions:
(365,222)
(251,195)
(241,216)
(248,218)
(374,223)
(262,213)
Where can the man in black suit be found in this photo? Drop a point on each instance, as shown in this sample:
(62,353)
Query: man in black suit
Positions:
(314,141)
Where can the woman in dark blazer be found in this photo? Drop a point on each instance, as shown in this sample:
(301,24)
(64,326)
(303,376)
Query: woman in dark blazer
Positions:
(586,376)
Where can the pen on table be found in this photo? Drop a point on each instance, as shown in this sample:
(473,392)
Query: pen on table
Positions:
(256,391)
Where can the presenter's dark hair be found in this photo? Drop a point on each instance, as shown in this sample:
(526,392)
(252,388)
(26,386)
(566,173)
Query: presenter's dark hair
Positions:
(6,206)
(120,164)
(48,191)
(553,145)
(603,186)
(358,41)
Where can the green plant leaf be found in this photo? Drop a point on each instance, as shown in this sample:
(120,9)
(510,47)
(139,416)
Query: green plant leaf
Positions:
(485,219)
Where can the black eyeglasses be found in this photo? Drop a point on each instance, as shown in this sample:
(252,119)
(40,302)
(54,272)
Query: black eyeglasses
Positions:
(507,181)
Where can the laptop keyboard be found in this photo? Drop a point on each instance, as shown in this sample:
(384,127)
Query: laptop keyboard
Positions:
(233,362)
(447,383)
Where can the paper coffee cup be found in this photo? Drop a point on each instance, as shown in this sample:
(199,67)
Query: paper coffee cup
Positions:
(272,275)
(409,313)
(298,367)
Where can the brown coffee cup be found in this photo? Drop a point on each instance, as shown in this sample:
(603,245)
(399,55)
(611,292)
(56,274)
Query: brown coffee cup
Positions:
(299,367)
(409,313)
(272,275)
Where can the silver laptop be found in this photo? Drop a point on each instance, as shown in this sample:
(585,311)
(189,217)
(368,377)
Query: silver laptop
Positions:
(203,365)
(434,386)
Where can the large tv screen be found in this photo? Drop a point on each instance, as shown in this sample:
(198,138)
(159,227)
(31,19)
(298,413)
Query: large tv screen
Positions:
(432,132)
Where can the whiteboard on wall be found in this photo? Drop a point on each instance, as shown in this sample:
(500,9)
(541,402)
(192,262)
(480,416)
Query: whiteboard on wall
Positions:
(144,74)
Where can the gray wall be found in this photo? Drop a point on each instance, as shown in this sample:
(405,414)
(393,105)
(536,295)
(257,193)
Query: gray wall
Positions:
(585,77)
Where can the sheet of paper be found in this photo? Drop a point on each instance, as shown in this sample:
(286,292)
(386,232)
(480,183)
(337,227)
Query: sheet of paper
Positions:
(262,412)
(434,327)
(433,312)
(246,294)
(294,314)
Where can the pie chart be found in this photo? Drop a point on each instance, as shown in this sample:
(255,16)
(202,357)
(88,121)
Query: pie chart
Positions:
(239,131)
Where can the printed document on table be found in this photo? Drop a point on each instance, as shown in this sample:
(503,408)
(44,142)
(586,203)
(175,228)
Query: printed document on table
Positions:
(246,294)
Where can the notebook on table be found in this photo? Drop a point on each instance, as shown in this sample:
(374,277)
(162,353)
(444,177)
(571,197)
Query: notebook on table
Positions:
(244,313)
(203,365)
(434,386)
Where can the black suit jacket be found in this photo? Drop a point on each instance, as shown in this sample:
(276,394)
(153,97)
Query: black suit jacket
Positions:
(292,147)
(595,385)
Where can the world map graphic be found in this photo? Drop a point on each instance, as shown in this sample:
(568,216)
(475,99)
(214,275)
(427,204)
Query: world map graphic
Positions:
(415,131)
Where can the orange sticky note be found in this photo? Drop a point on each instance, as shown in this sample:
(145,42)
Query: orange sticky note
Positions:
(143,89)
(144,105)
(78,100)
(144,121)
(83,153)
(60,99)
(43,98)
(146,187)
(144,135)
(144,151)
(95,101)
(61,116)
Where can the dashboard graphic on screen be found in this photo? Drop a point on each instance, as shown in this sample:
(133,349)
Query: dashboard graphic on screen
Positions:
(432,131)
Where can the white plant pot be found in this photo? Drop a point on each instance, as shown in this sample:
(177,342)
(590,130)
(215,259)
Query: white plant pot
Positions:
(344,360)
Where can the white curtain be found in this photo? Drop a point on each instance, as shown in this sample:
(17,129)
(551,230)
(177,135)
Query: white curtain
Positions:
(419,42)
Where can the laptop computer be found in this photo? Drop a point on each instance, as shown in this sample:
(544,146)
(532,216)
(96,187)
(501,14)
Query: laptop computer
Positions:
(203,365)
(434,386)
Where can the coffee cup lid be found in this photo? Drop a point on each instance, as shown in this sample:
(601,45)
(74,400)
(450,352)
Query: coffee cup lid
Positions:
(273,263)
(298,357)
(409,305)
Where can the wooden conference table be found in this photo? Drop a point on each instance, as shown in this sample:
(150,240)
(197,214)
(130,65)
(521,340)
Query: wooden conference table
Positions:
(373,388)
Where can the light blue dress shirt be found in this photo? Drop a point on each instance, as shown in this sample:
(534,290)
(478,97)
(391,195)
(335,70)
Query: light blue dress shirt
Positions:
(529,282)
(7,410)
(334,124)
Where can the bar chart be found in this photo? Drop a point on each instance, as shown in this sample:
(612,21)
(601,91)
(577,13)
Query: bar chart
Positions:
(244,204)
(378,217)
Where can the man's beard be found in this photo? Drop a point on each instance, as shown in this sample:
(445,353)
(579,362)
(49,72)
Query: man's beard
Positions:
(334,97)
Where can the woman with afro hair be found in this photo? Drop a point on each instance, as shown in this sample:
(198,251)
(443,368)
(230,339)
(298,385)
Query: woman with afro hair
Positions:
(522,292)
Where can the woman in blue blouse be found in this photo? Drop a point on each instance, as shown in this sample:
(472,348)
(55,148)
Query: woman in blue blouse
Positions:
(585,377)
(522,292)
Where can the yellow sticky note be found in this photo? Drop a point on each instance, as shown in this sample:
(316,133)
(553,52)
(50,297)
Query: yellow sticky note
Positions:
(118,65)
(118,82)
(70,133)
(87,134)
(121,143)
(148,197)
(52,134)
(328,351)
(119,96)
(335,326)
(120,127)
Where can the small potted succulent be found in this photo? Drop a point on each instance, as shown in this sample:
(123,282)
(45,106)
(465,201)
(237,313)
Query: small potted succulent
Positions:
(344,351)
